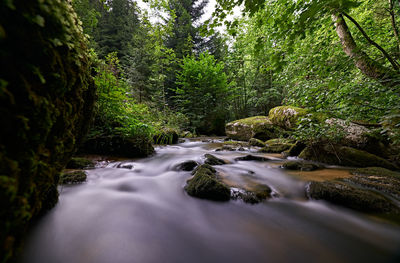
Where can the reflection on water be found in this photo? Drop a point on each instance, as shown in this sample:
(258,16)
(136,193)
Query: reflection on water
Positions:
(142,214)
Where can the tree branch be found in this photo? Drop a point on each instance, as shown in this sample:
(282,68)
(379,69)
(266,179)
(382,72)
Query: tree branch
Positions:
(394,64)
(394,26)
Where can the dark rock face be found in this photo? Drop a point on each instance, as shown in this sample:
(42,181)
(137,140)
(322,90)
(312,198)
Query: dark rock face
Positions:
(46,104)
(351,197)
(187,165)
(252,158)
(343,155)
(79,163)
(73,177)
(204,184)
(212,160)
(301,165)
(119,146)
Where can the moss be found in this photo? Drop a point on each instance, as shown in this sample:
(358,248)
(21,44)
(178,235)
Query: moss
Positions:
(79,163)
(72,177)
(252,158)
(256,142)
(343,155)
(212,160)
(166,136)
(46,104)
(376,171)
(259,127)
(286,116)
(204,184)
(277,145)
(351,197)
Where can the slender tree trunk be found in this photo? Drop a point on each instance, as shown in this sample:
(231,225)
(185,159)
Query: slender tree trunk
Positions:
(368,66)
(394,26)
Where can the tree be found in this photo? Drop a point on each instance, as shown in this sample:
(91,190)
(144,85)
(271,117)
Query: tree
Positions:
(202,93)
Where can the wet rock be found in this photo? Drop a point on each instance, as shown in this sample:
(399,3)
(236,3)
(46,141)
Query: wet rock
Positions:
(187,165)
(72,177)
(252,158)
(377,178)
(256,142)
(286,116)
(166,136)
(343,155)
(342,194)
(301,165)
(79,163)
(225,148)
(204,184)
(125,165)
(259,127)
(259,194)
(277,145)
(212,160)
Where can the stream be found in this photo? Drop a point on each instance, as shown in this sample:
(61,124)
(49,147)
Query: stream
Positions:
(143,215)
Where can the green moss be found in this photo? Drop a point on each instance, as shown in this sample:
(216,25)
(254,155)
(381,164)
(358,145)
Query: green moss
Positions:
(256,142)
(286,116)
(72,177)
(46,104)
(166,136)
(259,127)
(204,184)
(376,171)
(79,163)
(277,145)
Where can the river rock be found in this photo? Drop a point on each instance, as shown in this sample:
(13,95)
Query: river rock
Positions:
(256,142)
(72,177)
(212,160)
(79,163)
(277,145)
(286,117)
(204,184)
(377,178)
(301,165)
(252,158)
(187,165)
(342,194)
(259,127)
(257,195)
(166,136)
(344,155)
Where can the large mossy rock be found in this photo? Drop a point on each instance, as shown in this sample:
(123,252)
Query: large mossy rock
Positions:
(79,163)
(259,127)
(342,194)
(139,146)
(46,104)
(204,184)
(166,136)
(343,155)
(286,117)
(277,145)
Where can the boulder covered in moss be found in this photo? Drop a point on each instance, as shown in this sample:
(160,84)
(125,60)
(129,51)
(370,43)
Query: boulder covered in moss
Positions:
(72,177)
(204,184)
(212,160)
(166,136)
(118,145)
(277,145)
(342,194)
(343,155)
(301,165)
(46,104)
(250,157)
(187,165)
(256,142)
(259,127)
(258,194)
(79,163)
(286,117)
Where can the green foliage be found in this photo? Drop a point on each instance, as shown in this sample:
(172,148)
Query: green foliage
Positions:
(202,93)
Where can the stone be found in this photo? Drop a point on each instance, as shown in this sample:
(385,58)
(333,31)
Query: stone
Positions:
(259,127)
(79,163)
(342,194)
(212,160)
(256,142)
(187,165)
(277,145)
(257,195)
(72,177)
(252,158)
(204,184)
(166,136)
(301,165)
(286,117)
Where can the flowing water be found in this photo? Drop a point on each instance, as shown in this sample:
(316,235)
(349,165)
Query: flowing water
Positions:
(143,215)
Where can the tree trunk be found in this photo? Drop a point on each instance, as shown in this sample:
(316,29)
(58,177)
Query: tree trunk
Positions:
(368,66)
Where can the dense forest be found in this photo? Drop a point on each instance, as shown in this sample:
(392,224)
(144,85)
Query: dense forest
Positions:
(320,78)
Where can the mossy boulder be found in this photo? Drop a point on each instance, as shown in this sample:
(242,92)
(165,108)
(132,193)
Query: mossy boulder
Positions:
(212,160)
(118,145)
(256,142)
(342,194)
(296,149)
(258,194)
(166,136)
(187,165)
(46,104)
(204,184)
(72,177)
(259,127)
(79,163)
(277,145)
(377,178)
(301,165)
(343,155)
(286,117)
(252,158)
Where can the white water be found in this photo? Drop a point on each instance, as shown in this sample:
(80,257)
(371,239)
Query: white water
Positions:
(143,215)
